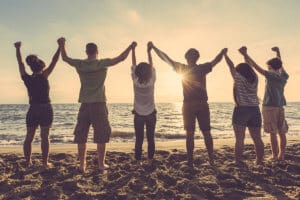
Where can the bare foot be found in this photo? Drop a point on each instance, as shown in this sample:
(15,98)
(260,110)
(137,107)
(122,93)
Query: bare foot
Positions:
(190,163)
(82,168)
(28,164)
(280,157)
(259,162)
(138,162)
(149,162)
(103,167)
(47,165)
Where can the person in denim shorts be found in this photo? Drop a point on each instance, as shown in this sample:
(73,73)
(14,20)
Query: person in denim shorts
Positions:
(274,102)
(40,112)
(195,97)
(246,111)
(93,111)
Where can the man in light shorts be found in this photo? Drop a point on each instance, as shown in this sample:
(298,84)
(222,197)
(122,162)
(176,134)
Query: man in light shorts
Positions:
(93,111)
(274,100)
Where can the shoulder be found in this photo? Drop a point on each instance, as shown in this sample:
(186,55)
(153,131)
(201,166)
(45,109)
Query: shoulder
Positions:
(104,62)
(25,77)
(180,68)
(205,67)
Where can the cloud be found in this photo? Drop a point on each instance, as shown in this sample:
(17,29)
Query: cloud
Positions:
(133,16)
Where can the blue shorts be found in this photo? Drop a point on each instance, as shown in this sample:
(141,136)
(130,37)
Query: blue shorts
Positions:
(248,116)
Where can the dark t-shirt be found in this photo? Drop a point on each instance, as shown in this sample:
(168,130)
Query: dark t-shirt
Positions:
(194,81)
(37,88)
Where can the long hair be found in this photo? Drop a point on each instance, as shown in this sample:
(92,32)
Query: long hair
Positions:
(144,72)
(246,71)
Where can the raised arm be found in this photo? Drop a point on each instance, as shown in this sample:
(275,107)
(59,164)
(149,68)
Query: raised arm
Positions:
(230,64)
(49,70)
(19,58)
(277,51)
(218,58)
(250,61)
(164,56)
(149,47)
(133,55)
(123,55)
(61,43)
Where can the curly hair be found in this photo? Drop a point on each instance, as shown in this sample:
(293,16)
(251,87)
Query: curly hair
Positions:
(144,72)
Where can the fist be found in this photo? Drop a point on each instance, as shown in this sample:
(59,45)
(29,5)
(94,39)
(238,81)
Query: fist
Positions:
(276,49)
(133,45)
(150,45)
(18,44)
(61,41)
(243,50)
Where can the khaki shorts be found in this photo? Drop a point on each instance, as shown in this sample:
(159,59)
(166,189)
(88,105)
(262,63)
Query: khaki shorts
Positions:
(196,110)
(274,120)
(95,114)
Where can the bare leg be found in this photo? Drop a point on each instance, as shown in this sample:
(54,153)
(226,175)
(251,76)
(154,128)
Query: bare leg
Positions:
(190,147)
(209,146)
(239,132)
(101,149)
(27,145)
(45,144)
(282,146)
(258,143)
(274,145)
(82,156)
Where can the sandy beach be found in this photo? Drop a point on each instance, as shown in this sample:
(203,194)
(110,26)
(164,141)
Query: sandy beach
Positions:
(168,178)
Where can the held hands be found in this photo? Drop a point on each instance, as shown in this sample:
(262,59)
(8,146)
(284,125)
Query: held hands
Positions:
(243,50)
(18,44)
(224,51)
(149,46)
(276,49)
(133,45)
(61,41)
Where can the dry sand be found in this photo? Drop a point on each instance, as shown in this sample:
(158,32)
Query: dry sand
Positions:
(168,178)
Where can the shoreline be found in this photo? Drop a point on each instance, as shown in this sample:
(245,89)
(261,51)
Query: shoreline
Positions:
(128,146)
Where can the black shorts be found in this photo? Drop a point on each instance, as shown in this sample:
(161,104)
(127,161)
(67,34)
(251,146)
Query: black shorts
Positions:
(39,114)
(196,110)
(247,116)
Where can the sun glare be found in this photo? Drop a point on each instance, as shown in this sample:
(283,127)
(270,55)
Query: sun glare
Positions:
(172,81)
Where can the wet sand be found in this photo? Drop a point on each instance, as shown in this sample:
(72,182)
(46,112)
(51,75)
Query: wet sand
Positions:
(168,178)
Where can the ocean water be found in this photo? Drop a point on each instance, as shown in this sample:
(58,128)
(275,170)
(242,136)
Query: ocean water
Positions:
(169,122)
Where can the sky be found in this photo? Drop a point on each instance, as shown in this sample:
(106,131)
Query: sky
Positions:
(172,25)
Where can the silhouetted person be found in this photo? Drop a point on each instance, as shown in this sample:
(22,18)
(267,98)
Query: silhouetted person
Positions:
(93,110)
(144,77)
(195,104)
(246,112)
(40,112)
(274,101)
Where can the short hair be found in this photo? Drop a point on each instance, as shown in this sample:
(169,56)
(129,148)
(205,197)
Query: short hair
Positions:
(192,54)
(275,63)
(144,72)
(91,48)
(31,59)
(246,71)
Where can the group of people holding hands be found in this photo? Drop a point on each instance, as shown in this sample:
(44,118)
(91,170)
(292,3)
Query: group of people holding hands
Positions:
(93,110)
